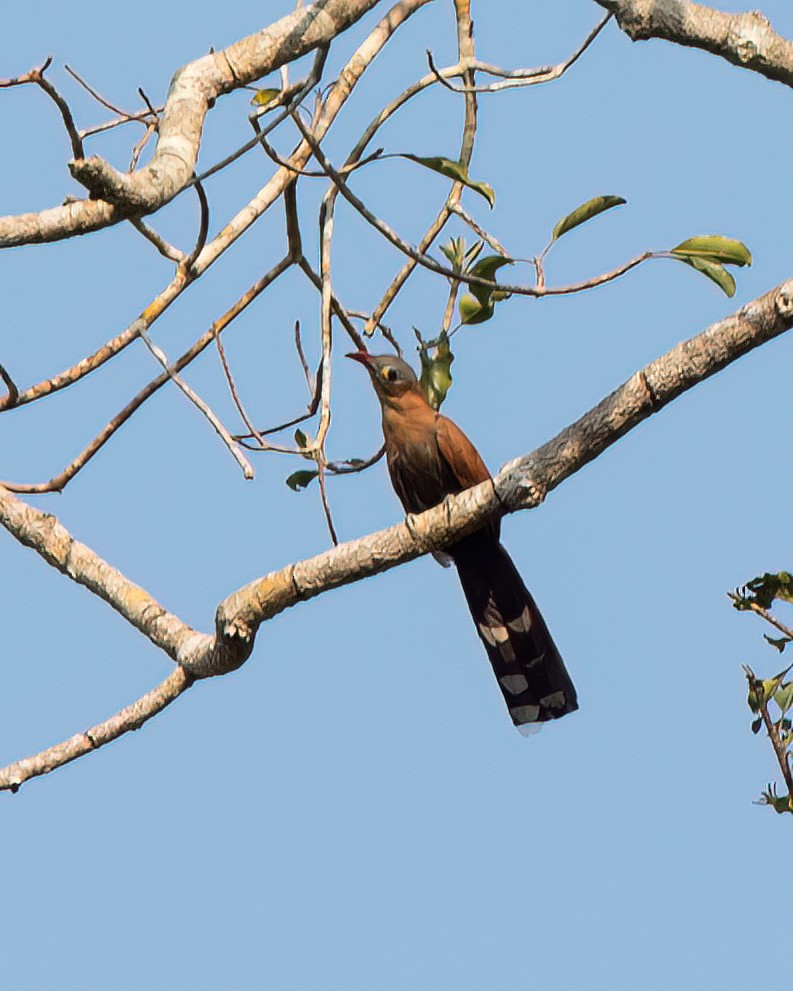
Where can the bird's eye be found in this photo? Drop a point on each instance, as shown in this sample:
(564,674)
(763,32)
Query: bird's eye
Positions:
(390,374)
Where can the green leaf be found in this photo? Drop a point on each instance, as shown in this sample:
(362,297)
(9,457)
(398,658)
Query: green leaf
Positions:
(460,257)
(715,248)
(300,479)
(456,171)
(473,252)
(486,268)
(586,212)
(454,250)
(770,686)
(779,642)
(264,96)
(436,362)
(472,311)
(713,270)
(784,586)
(304,442)
(783,697)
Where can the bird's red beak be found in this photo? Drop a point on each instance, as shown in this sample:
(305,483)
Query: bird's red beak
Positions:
(362,356)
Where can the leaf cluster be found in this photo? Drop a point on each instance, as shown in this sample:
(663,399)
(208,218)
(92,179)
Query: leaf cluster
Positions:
(771,699)
(436,361)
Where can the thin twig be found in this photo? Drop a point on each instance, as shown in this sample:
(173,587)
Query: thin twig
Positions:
(323,493)
(338,310)
(12,396)
(429,263)
(466,55)
(451,299)
(310,379)
(243,439)
(26,77)
(166,249)
(311,410)
(149,104)
(316,173)
(494,243)
(384,330)
(201,406)
(139,145)
(37,77)
(141,117)
(326,326)
(294,240)
(326,337)
(59,482)
(97,96)
(203,229)
(235,395)
(291,100)
(761,611)
(347,468)
(514,78)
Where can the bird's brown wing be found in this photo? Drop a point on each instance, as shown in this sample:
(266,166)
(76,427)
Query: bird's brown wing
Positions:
(464,461)
(460,454)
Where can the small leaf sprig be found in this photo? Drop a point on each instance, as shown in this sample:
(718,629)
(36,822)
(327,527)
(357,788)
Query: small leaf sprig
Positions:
(771,699)
(705,253)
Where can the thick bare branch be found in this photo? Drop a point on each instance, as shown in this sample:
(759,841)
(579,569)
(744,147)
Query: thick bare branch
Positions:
(48,537)
(524,482)
(115,195)
(747,40)
(360,61)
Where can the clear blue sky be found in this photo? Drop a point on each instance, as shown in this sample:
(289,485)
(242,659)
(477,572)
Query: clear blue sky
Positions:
(353,809)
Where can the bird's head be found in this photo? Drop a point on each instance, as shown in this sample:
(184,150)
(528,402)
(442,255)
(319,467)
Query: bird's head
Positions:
(391,376)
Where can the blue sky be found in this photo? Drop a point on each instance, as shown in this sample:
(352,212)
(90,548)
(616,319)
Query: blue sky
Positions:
(353,808)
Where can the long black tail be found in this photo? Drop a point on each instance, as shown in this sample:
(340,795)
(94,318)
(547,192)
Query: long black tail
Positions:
(529,669)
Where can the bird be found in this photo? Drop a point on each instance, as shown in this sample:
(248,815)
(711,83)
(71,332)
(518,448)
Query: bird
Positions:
(429,457)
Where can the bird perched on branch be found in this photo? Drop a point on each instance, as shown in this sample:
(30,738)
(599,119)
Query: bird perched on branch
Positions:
(429,457)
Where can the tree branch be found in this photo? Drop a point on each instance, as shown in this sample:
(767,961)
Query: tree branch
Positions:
(130,718)
(115,196)
(521,484)
(48,537)
(283,178)
(747,40)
